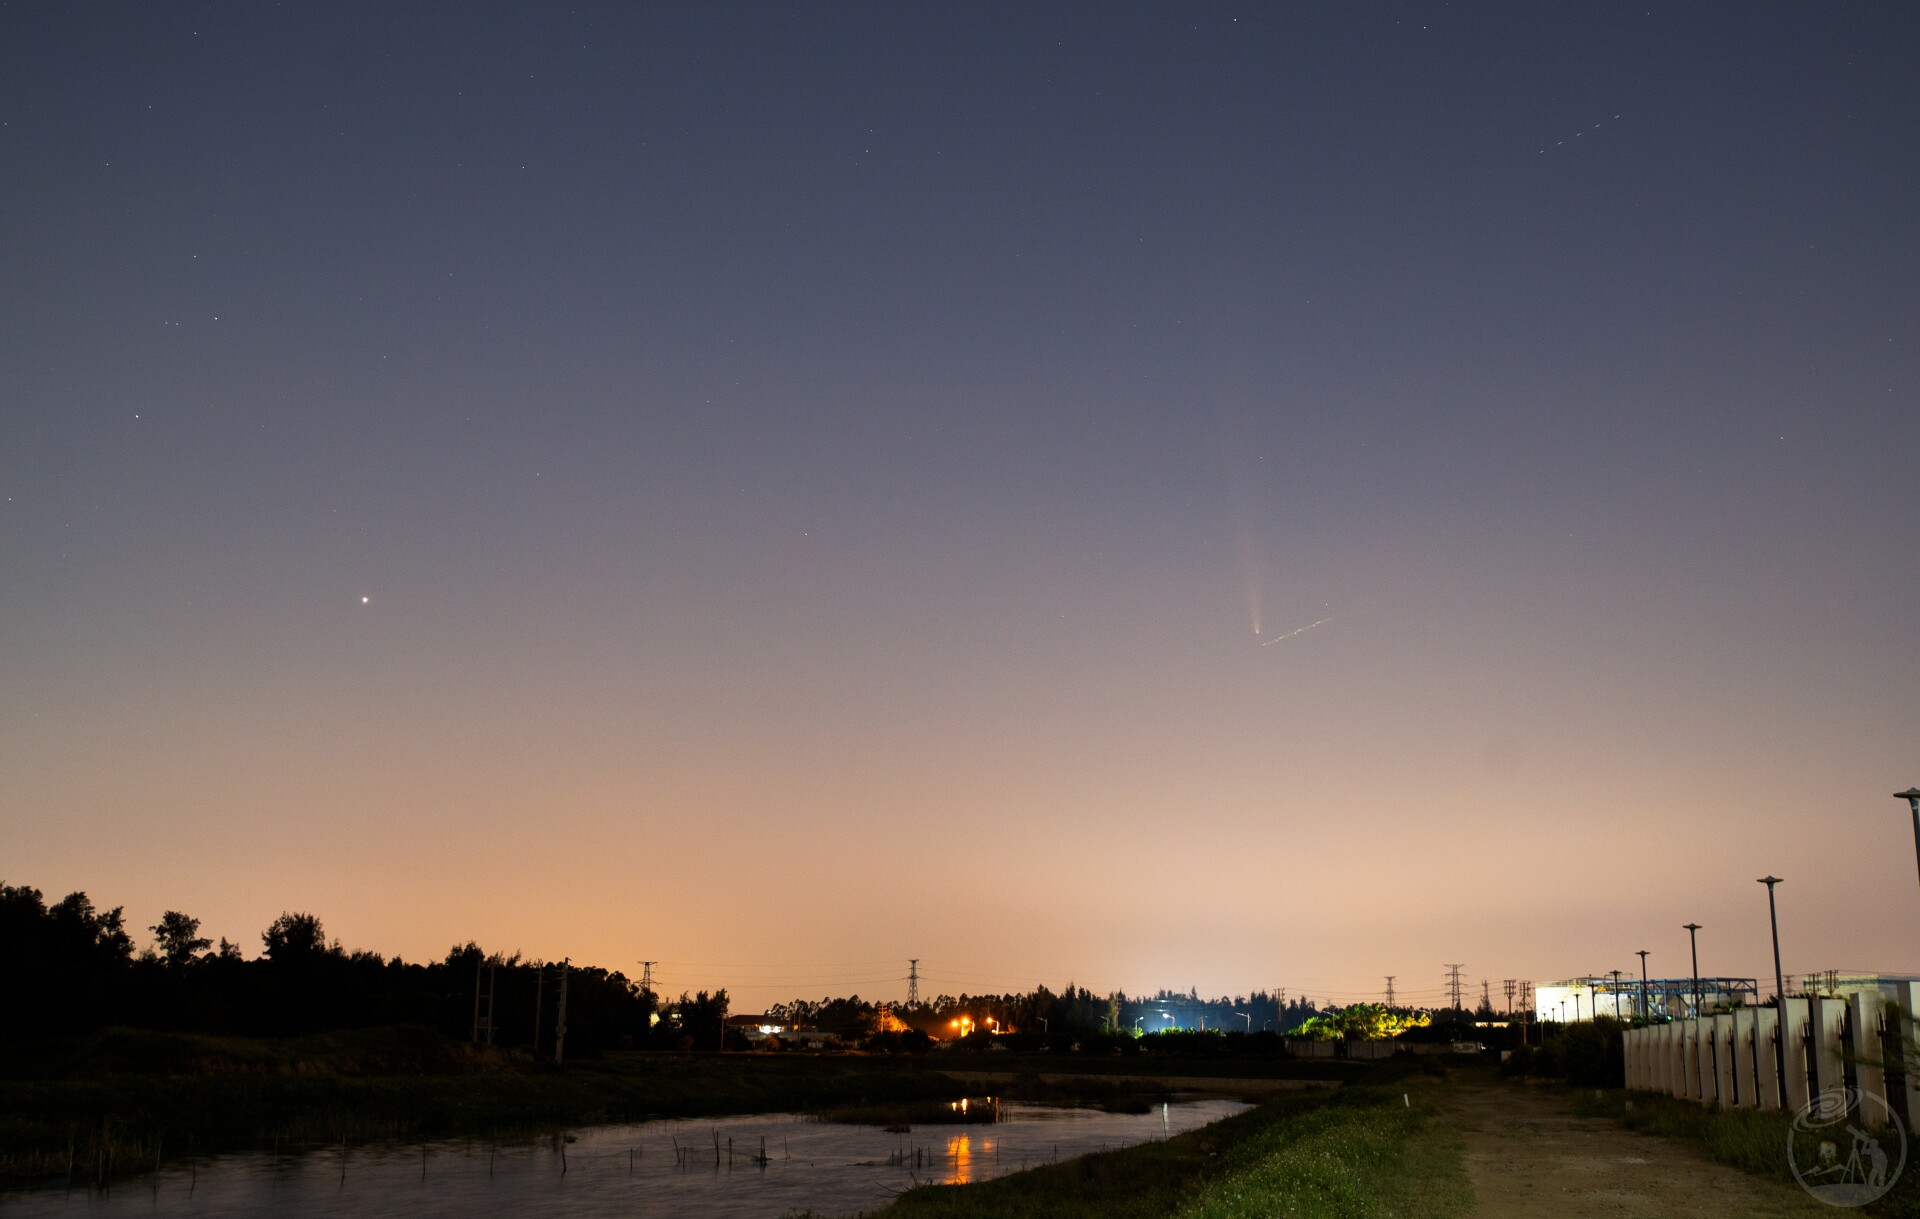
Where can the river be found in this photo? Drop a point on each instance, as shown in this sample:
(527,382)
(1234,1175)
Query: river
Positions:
(683,1168)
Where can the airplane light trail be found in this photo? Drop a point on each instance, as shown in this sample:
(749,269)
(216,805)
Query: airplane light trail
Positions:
(1296,631)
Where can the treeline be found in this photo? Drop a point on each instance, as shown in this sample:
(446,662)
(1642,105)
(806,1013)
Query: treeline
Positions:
(75,969)
(1073,1011)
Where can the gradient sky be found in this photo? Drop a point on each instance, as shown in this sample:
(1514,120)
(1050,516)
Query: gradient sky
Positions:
(782,489)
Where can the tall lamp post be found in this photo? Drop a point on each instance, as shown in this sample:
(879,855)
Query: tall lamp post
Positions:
(1779,984)
(1616,995)
(1646,1015)
(1693,930)
(1912,797)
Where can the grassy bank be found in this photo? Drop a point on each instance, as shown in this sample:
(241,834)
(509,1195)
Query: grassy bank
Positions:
(1748,1139)
(1352,1154)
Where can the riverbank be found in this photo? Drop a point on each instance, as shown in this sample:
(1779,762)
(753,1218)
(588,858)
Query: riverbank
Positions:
(123,1101)
(1355,1153)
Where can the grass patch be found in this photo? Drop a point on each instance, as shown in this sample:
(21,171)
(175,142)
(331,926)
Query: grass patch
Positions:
(1352,1154)
(1366,1155)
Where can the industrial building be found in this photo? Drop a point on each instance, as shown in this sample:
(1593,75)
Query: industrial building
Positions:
(1573,999)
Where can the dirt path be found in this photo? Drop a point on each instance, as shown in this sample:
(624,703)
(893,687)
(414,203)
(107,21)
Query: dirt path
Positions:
(1527,1156)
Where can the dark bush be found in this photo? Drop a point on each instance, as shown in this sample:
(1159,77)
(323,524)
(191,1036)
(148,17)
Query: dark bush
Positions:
(1588,1055)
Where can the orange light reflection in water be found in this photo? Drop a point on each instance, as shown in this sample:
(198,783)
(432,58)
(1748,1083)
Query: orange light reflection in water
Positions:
(960,1151)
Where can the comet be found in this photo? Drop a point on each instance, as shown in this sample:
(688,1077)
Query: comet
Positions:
(1299,630)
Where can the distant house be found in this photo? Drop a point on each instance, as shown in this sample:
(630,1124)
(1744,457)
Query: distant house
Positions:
(762,1026)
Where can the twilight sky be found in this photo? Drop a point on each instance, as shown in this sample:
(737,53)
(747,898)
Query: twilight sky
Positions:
(782,489)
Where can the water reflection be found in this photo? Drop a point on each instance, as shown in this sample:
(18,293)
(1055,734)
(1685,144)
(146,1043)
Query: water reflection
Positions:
(960,1154)
(759,1167)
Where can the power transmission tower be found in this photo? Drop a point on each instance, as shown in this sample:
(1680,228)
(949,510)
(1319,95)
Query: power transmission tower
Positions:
(646,977)
(1390,990)
(913,982)
(1453,985)
(1509,984)
(1485,1001)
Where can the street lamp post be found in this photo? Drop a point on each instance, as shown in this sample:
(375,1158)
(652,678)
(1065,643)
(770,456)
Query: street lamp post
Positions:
(1912,797)
(1616,994)
(1646,1014)
(1779,985)
(1693,941)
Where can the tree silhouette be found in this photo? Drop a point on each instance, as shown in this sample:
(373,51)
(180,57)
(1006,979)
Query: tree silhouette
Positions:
(293,937)
(177,938)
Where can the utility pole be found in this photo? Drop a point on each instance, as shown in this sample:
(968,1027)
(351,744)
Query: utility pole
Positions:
(1912,797)
(1692,939)
(1779,984)
(484,980)
(1453,986)
(913,982)
(1646,1015)
(1507,984)
(1390,978)
(560,1025)
(539,993)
